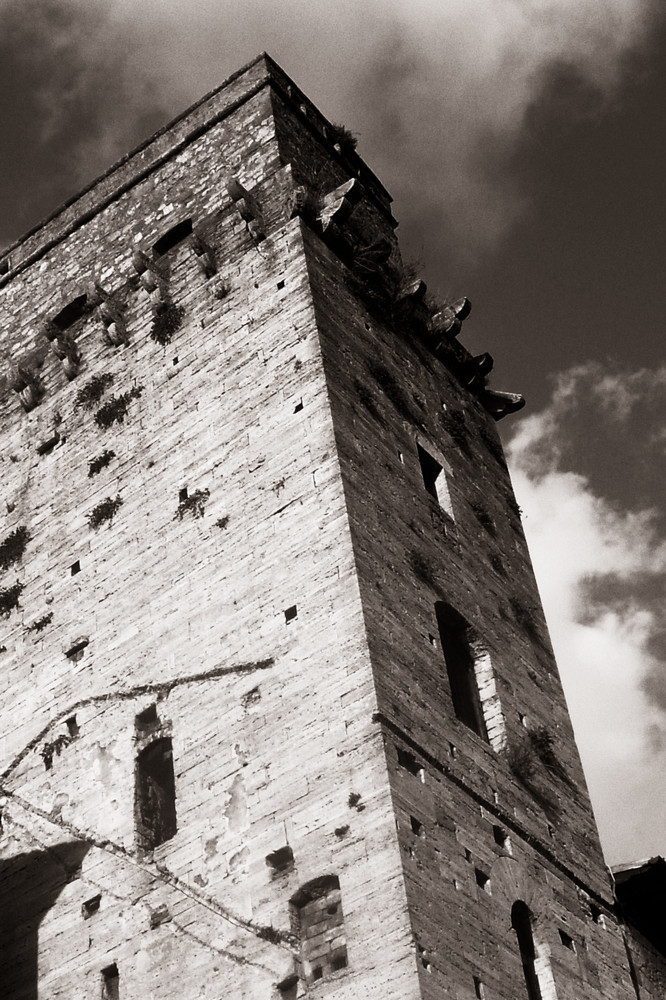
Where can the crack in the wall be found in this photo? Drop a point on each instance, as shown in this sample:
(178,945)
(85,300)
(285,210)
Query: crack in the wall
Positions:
(159,871)
(158,688)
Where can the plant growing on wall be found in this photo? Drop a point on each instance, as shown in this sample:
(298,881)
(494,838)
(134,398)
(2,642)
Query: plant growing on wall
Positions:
(96,465)
(13,546)
(9,598)
(41,623)
(165,323)
(194,504)
(91,393)
(55,747)
(345,140)
(115,409)
(104,511)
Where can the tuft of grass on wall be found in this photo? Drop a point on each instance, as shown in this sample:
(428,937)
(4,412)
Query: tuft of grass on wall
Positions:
(165,323)
(96,465)
(13,546)
(115,409)
(91,393)
(103,512)
(9,599)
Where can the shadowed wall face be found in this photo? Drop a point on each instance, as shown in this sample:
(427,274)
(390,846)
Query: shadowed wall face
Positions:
(29,886)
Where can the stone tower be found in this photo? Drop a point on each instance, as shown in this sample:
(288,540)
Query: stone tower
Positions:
(280,715)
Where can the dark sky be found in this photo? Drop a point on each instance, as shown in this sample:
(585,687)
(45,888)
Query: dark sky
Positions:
(524,145)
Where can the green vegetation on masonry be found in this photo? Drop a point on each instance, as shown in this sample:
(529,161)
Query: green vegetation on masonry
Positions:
(115,409)
(13,546)
(9,598)
(41,623)
(91,393)
(96,465)
(104,511)
(194,505)
(54,747)
(165,323)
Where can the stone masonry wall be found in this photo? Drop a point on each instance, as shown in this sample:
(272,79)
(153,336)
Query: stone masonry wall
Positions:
(220,540)
(390,396)
(205,568)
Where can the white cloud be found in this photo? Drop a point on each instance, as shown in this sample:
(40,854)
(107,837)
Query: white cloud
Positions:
(595,564)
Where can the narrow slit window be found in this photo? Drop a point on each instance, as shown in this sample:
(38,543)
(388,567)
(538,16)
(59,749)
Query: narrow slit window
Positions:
(290,613)
(522,925)
(417,827)
(173,237)
(73,727)
(155,794)
(567,940)
(434,479)
(471,676)
(110,983)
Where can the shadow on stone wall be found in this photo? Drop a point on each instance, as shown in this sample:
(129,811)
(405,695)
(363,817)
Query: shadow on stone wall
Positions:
(29,886)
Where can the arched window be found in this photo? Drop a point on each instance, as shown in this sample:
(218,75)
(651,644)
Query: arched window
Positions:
(317,919)
(521,922)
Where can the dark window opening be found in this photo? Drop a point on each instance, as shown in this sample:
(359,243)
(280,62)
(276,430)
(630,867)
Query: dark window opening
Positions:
(75,652)
(91,906)
(72,312)
(417,827)
(72,727)
(455,637)
(298,407)
(155,794)
(567,940)
(288,988)
(597,915)
(280,284)
(318,922)
(75,568)
(410,763)
(281,860)
(501,838)
(146,720)
(522,925)
(430,470)
(173,237)
(110,983)
(482,880)
(48,444)
(182,493)
(290,613)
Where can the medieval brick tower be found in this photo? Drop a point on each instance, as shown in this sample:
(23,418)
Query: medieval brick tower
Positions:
(280,716)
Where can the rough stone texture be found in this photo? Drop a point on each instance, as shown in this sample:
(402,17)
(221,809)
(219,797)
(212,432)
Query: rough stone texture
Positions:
(264,574)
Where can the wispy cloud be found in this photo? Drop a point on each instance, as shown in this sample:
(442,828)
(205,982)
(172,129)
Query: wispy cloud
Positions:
(439,91)
(601,572)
